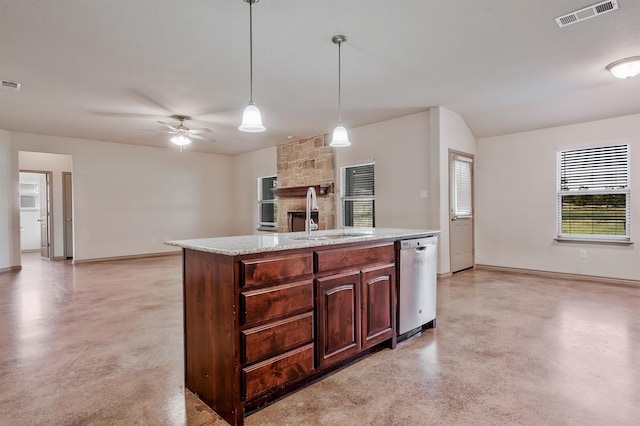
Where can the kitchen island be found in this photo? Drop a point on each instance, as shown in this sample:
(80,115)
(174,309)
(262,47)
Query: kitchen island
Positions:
(267,314)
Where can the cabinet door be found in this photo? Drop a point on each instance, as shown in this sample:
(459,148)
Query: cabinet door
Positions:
(338,320)
(378,305)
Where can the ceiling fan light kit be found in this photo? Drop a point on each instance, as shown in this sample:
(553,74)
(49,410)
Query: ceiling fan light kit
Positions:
(340,137)
(182,135)
(251,117)
(181,139)
(625,68)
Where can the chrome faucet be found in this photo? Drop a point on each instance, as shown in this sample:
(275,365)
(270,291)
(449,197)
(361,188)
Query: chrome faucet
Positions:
(312,204)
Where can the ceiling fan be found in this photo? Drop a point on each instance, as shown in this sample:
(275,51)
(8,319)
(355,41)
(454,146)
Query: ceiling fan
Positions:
(183,134)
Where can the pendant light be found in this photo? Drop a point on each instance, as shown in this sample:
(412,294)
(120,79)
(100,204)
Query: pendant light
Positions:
(340,137)
(251,118)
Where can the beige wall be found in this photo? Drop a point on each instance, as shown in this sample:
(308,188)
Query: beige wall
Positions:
(516,201)
(9,204)
(400,150)
(55,163)
(129,199)
(247,168)
(449,132)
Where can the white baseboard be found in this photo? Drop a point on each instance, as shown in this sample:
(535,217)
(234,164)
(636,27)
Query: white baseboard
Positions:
(134,256)
(563,275)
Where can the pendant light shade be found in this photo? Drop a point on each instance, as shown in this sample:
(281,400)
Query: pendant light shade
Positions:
(340,137)
(625,68)
(251,117)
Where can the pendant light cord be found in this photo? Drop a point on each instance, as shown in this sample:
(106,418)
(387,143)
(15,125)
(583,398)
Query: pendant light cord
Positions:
(339,84)
(251,51)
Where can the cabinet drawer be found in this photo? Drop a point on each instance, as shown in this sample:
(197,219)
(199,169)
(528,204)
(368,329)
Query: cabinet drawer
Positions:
(275,338)
(264,271)
(329,260)
(277,371)
(276,302)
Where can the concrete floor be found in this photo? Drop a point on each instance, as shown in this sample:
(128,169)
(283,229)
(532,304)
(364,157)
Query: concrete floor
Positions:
(101,344)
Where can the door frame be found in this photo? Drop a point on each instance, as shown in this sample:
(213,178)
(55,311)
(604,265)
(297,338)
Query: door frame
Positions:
(49,207)
(67,215)
(452,153)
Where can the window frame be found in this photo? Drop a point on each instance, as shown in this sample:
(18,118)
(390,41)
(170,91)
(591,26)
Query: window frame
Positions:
(344,198)
(560,193)
(262,224)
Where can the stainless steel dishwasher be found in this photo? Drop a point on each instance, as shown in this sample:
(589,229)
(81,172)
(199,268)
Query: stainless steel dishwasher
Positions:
(417,284)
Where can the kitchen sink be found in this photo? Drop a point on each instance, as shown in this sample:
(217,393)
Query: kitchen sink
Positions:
(312,237)
(335,236)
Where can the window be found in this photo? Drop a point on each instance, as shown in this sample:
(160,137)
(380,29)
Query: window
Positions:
(358,196)
(594,193)
(267,202)
(461,189)
(29,196)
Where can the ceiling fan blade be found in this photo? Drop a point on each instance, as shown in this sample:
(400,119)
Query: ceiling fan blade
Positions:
(123,114)
(175,129)
(195,131)
(202,138)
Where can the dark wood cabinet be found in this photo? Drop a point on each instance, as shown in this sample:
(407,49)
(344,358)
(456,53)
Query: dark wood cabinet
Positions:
(338,316)
(378,305)
(355,309)
(258,326)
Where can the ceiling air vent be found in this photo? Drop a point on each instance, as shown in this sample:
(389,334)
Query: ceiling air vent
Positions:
(587,13)
(10,85)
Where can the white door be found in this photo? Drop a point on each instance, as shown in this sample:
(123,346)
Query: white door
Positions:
(45,214)
(461,211)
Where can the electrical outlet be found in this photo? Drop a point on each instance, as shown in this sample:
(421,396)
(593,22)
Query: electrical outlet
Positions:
(424,193)
(583,254)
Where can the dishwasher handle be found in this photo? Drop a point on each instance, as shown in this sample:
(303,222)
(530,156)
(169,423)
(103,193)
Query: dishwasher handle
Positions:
(419,244)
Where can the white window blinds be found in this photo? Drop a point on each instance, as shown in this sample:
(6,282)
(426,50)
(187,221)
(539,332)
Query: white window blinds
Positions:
(594,193)
(462,186)
(600,168)
(358,195)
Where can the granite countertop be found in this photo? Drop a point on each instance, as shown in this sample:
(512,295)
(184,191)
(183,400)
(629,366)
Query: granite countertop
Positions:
(249,244)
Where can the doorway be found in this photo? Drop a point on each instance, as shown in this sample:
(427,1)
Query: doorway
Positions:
(56,165)
(35,212)
(461,241)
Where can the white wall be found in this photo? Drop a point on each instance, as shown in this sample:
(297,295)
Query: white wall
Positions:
(400,149)
(247,168)
(9,202)
(55,163)
(449,132)
(516,201)
(128,199)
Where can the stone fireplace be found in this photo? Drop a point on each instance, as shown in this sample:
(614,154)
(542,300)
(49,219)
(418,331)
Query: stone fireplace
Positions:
(302,163)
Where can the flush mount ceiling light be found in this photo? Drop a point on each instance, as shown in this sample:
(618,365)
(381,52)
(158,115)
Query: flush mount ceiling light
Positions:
(625,68)
(251,118)
(340,137)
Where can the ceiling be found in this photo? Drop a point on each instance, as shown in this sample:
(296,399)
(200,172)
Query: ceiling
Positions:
(109,70)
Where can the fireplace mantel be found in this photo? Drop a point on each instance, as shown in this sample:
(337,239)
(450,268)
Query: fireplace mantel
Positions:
(301,191)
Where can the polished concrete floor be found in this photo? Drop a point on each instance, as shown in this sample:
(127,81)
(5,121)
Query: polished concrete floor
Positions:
(101,344)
